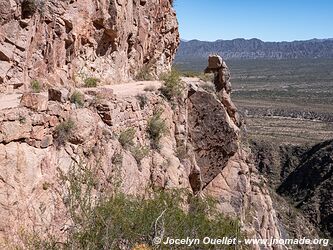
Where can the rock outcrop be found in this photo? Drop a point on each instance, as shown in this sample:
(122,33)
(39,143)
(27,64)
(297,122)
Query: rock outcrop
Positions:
(39,147)
(222,84)
(212,135)
(66,42)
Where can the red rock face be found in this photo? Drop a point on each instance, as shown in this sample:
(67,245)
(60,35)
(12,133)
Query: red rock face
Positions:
(59,42)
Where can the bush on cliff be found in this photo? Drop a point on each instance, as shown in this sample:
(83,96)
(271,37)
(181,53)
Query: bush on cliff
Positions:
(113,220)
(123,221)
(91,82)
(36,86)
(126,137)
(156,128)
(28,8)
(172,85)
(77,98)
(63,131)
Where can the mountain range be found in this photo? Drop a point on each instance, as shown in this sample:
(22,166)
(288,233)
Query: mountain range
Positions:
(254,49)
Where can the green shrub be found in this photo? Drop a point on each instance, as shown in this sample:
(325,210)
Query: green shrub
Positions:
(172,85)
(126,137)
(156,128)
(123,222)
(91,82)
(77,98)
(120,221)
(63,131)
(143,100)
(36,86)
(28,8)
(32,241)
(139,152)
(206,77)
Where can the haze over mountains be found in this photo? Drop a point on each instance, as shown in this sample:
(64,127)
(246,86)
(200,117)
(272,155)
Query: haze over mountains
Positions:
(255,49)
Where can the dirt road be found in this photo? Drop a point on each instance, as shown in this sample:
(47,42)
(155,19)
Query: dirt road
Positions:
(121,90)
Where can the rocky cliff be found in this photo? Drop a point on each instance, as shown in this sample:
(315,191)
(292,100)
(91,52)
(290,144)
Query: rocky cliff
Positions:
(65,42)
(117,137)
(46,136)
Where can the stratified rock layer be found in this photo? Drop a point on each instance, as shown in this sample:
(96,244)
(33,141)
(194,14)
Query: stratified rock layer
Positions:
(59,42)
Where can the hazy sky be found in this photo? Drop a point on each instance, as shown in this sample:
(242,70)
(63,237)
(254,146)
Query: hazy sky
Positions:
(268,20)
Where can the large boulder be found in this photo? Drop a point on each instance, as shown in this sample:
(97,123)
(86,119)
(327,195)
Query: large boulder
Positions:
(58,95)
(13,131)
(34,101)
(215,62)
(85,125)
(214,138)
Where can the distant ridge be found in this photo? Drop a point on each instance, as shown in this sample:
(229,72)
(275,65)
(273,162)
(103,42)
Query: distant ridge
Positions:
(254,48)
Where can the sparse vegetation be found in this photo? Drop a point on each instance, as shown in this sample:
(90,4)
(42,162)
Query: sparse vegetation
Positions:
(286,101)
(63,131)
(22,119)
(28,7)
(91,82)
(143,100)
(125,221)
(36,86)
(139,152)
(77,98)
(206,77)
(172,85)
(126,138)
(120,221)
(156,128)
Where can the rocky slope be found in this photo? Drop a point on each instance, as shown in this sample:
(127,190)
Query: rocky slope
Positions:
(65,42)
(254,48)
(302,175)
(310,185)
(35,157)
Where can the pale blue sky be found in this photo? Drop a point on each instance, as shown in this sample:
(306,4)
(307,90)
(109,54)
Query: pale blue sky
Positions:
(268,20)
